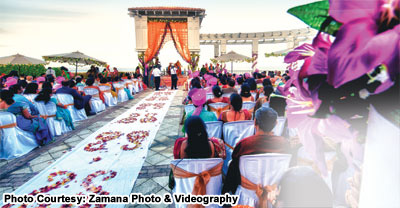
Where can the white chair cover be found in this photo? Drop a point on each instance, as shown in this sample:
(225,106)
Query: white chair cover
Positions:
(80,88)
(248,105)
(280,126)
(381,169)
(56,127)
(122,96)
(30,97)
(217,106)
(14,141)
(210,96)
(214,128)
(129,84)
(66,99)
(96,103)
(189,108)
(261,95)
(254,94)
(108,98)
(228,95)
(264,169)
(196,166)
(233,133)
(136,86)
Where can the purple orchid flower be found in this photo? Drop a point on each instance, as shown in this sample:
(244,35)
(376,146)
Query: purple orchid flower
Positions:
(369,37)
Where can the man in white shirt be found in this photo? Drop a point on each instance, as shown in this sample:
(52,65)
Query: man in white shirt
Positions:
(174,78)
(157,73)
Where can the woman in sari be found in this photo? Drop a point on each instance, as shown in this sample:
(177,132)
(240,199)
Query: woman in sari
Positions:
(264,101)
(62,111)
(235,113)
(197,144)
(217,96)
(105,82)
(26,121)
(246,94)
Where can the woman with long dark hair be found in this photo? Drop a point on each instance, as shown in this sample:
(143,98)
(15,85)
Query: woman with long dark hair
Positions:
(197,144)
(25,120)
(246,94)
(31,88)
(236,113)
(62,112)
(217,92)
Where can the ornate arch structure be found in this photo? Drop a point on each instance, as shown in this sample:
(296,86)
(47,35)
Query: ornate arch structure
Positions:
(155,25)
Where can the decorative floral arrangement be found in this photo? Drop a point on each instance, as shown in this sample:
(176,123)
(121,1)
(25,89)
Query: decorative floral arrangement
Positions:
(143,106)
(89,147)
(149,118)
(135,137)
(89,186)
(108,136)
(130,119)
(158,105)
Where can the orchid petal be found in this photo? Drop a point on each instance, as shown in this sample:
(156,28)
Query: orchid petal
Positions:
(346,11)
(299,53)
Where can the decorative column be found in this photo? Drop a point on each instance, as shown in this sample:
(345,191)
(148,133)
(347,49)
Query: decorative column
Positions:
(216,50)
(194,41)
(254,55)
(223,46)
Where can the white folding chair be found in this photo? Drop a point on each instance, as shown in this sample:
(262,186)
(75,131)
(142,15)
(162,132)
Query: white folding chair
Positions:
(48,112)
(14,141)
(30,97)
(80,88)
(68,100)
(209,96)
(228,95)
(122,96)
(280,126)
(108,98)
(254,94)
(262,169)
(129,84)
(214,128)
(218,108)
(197,166)
(96,104)
(233,133)
(249,106)
(189,108)
(136,86)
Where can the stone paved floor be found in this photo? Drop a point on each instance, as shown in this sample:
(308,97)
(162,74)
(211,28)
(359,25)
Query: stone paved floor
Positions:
(153,177)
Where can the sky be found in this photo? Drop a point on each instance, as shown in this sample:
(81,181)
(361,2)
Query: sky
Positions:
(104,30)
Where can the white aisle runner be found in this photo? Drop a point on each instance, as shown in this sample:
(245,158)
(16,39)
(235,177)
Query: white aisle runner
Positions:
(120,158)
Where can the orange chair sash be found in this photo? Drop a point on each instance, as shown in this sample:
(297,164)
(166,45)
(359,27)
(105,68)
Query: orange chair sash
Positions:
(218,111)
(201,181)
(47,116)
(7,126)
(264,193)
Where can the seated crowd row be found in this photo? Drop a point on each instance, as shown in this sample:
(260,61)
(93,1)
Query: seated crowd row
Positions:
(237,141)
(34,111)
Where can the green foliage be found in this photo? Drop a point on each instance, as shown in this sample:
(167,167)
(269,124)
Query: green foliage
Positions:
(27,70)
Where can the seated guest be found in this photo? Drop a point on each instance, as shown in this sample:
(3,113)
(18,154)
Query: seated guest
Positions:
(62,111)
(104,82)
(198,97)
(79,100)
(17,91)
(196,144)
(236,113)
(246,94)
(278,104)
(303,187)
(263,141)
(25,120)
(31,88)
(267,90)
(231,88)
(89,84)
(79,82)
(217,92)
